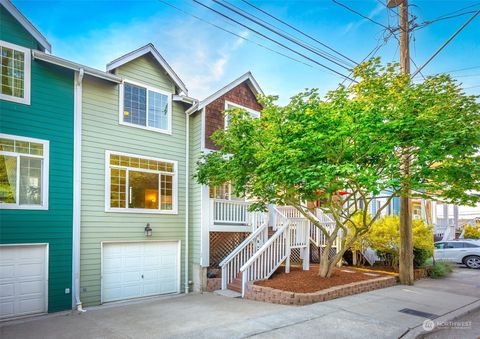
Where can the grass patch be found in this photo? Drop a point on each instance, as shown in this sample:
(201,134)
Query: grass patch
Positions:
(440,270)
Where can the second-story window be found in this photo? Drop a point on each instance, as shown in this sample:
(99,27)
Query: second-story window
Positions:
(15,73)
(231,105)
(146,107)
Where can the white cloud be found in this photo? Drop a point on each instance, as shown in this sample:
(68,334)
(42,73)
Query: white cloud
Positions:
(353,26)
(199,58)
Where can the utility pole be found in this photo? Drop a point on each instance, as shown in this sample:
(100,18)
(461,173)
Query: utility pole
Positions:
(406,237)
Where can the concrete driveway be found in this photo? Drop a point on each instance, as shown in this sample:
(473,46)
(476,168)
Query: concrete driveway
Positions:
(376,314)
(160,317)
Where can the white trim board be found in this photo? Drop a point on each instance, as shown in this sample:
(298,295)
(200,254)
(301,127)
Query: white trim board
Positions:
(26,24)
(175,175)
(76,67)
(252,83)
(27,83)
(149,48)
(45,172)
(147,88)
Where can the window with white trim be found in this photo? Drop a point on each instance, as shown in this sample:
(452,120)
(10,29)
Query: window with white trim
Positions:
(230,105)
(14,73)
(146,107)
(141,184)
(23,173)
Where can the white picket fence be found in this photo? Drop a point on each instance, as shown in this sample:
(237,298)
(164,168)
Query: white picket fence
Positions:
(235,213)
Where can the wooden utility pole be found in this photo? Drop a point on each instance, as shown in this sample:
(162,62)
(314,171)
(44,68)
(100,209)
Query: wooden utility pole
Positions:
(406,237)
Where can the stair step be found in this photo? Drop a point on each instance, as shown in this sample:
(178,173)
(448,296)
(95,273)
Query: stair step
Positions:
(235,285)
(228,293)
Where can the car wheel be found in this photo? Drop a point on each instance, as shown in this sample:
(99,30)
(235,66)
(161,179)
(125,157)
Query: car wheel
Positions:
(472,261)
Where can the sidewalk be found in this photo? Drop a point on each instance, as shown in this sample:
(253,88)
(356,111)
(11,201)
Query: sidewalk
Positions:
(376,314)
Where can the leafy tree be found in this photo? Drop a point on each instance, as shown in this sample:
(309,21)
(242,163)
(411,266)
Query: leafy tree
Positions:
(347,148)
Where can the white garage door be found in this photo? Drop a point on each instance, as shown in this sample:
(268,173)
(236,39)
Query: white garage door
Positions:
(139,269)
(23,280)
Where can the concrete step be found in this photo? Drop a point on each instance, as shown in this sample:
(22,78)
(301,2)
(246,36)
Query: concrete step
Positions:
(228,293)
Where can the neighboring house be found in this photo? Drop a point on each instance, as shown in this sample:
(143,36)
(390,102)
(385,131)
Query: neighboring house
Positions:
(133,180)
(219,222)
(36,172)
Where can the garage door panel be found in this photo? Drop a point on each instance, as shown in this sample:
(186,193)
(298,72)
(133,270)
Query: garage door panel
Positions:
(31,270)
(139,269)
(31,287)
(23,280)
(7,272)
(7,290)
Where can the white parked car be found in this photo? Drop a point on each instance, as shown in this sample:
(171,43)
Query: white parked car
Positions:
(462,251)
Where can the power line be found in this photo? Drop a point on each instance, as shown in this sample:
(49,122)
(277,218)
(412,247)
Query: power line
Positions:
(446,43)
(292,36)
(235,34)
(297,30)
(362,15)
(428,22)
(301,44)
(460,69)
(273,40)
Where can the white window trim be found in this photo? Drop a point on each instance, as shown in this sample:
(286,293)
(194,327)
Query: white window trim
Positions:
(148,88)
(253,113)
(27,77)
(45,173)
(174,210)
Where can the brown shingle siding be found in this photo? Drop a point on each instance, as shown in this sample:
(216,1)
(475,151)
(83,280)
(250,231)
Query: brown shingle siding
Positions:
(214,119)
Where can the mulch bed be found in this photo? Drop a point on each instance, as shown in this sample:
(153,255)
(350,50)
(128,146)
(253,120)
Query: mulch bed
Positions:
(300,281)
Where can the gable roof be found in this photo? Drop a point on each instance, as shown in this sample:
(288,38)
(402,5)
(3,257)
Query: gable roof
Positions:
(149,48)
(251,82)
(26,24)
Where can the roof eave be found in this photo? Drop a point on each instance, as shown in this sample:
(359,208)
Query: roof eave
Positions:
(27,25)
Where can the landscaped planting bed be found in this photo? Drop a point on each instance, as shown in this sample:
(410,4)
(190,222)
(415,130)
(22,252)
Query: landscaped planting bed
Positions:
(309,281)
(305,287)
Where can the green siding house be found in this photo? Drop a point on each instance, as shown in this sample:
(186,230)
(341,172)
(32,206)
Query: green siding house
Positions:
(36,173)
(133,187)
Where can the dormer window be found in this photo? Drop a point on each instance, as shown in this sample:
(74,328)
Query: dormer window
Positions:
(145,107)
(231,105)
(15,73)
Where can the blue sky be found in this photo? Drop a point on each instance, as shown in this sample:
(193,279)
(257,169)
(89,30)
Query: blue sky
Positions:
(206,58)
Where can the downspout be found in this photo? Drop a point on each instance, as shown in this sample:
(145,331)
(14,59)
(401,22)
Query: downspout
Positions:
(187,188)
(77,159)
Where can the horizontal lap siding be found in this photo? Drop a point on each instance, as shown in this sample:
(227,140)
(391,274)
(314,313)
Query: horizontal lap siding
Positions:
(195,209)
(48,117)
(101,131)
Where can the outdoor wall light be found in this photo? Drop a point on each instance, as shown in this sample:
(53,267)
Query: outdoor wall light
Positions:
(148,230)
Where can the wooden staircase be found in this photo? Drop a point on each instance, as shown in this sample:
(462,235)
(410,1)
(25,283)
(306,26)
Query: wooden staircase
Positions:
(236,284)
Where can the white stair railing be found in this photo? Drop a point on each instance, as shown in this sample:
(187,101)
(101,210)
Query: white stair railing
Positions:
(268,258)
(234,261)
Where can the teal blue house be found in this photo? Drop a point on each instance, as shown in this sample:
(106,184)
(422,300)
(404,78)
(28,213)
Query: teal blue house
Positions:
(36,172)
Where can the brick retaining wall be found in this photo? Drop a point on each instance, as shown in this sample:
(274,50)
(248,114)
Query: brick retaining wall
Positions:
(271,295)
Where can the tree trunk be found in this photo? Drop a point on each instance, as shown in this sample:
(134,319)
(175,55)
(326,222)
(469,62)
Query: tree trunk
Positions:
(326,266)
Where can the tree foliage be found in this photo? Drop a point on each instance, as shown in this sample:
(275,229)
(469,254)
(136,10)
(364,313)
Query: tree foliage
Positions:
(352,141)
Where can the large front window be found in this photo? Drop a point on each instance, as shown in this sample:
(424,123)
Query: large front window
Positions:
(141,184)
(23,172)
(14,73)
(146,107)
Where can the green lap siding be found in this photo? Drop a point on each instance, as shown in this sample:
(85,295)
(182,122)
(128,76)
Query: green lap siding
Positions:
(49,117)
(195,196)
(101,131)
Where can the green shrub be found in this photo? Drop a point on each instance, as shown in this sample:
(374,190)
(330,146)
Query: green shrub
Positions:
(420,256)
(440,270)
